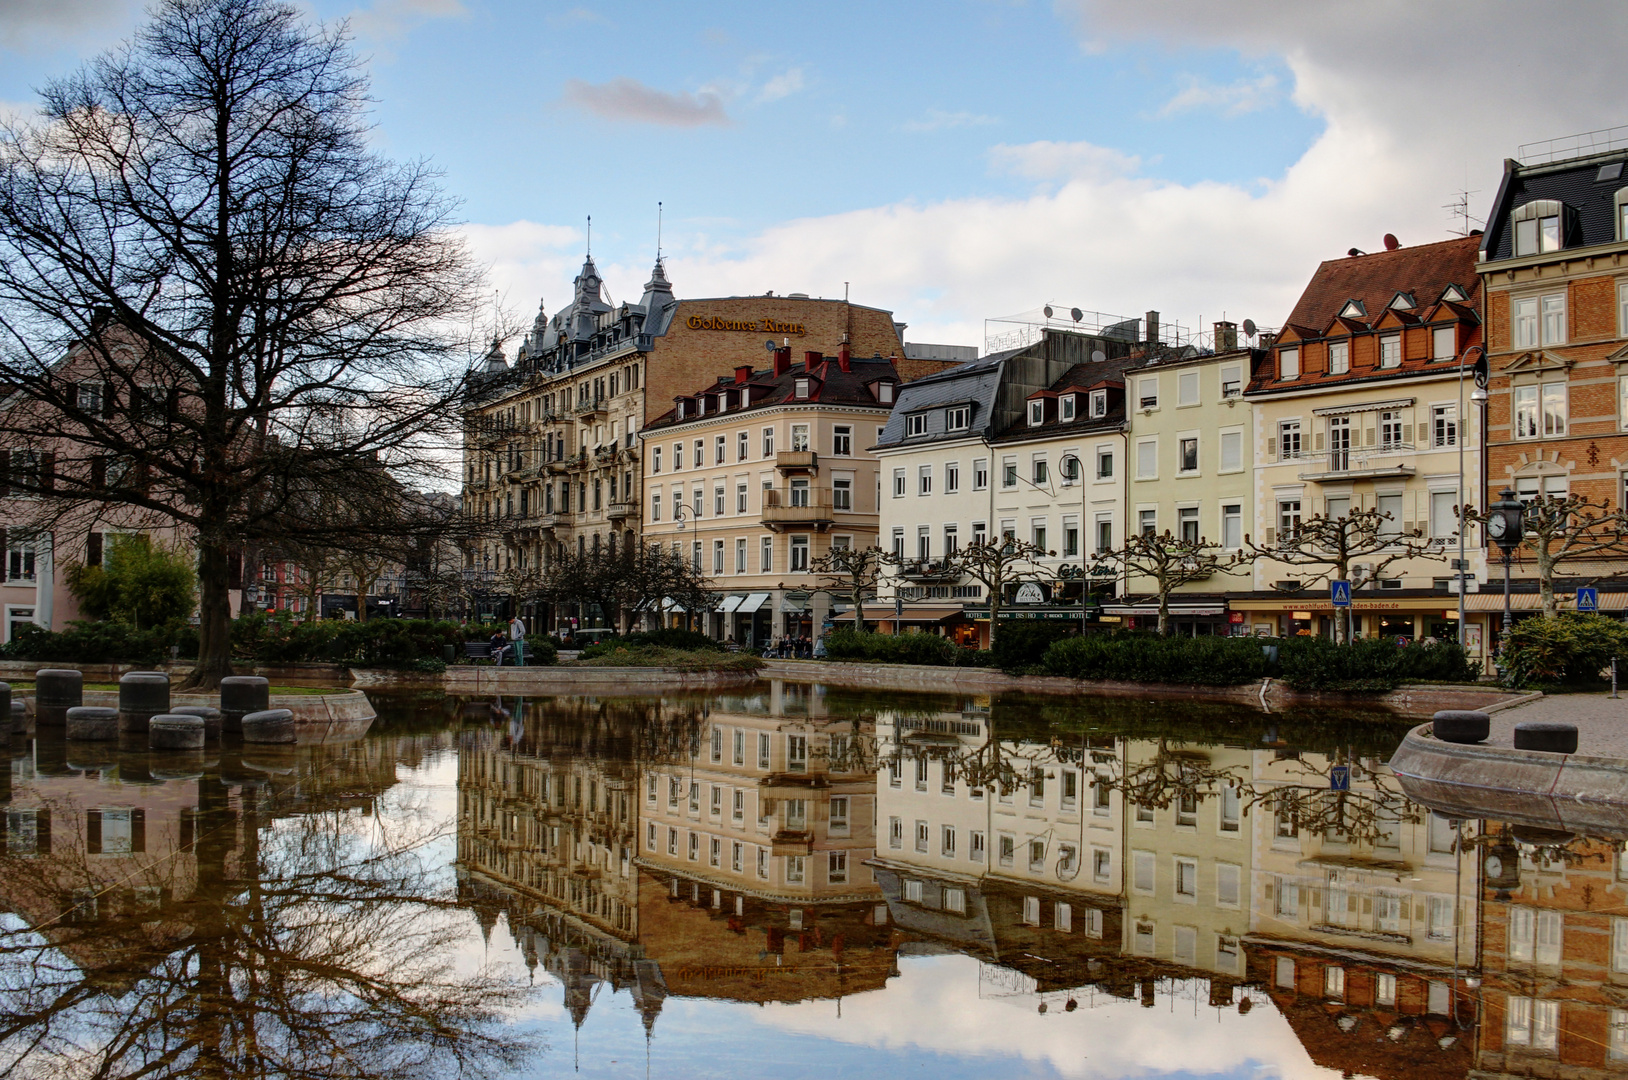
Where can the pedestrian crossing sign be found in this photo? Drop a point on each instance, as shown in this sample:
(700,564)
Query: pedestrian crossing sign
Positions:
(1340,593)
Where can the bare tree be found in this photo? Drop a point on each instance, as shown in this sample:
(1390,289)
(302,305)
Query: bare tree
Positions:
(1564,529)
(265,307)
(996,564)
(626,583)
(1327,548)
(854,571)
(1170,562)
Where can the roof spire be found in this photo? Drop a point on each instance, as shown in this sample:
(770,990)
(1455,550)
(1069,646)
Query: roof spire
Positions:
(590,252)
(658,232)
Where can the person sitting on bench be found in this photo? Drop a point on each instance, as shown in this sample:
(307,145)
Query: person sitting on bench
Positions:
(498,647)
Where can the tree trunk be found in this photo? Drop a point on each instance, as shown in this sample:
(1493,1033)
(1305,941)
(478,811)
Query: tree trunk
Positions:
(214,618)
(859,606)
(1164,610)
(994,613)
(1546,579)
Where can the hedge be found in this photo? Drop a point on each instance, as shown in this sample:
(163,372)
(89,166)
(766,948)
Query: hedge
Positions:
(1568,650)
(1021,644)
(102,643)
(890,648)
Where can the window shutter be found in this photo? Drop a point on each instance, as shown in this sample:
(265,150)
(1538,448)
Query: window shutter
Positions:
(93,832)
(1424,434)
(109,406)
(1370,436)
(1271,446)
(93,549)
(1271,536)
(1318,442)
(48,471)
(1408,527)
(138,831)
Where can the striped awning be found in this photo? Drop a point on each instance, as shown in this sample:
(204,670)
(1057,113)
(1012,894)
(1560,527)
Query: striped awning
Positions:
(1494,601)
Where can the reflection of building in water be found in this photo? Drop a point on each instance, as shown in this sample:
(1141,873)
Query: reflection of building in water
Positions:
(1364,917)
(1555,956)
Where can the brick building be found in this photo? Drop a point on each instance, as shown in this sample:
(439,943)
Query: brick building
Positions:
(1554,260)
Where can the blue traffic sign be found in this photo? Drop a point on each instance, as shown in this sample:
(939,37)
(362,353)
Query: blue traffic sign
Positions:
(1339,778)
(1340,593)
(1588,599)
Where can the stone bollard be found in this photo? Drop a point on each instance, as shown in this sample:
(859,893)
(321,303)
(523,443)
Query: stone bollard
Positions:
(208,714)
(269,726)
(93,723)
(1461,726)
(173,731)
(1546,735)
(21,724)
(241,695)
(142,696)
(56,690)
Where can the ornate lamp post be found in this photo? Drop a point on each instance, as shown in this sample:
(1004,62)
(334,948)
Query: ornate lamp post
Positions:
(1506,520)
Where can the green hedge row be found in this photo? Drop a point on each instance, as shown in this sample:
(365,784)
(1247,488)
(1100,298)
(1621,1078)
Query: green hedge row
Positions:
(102,643)
(901,649)
(1569,650)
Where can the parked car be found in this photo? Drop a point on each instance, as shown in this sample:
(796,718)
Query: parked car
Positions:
(596,636)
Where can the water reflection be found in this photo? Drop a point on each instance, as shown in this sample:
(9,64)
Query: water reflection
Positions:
(249,913)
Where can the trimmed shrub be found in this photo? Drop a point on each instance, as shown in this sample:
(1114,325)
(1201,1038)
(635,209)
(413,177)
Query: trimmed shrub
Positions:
(1022,643)
(1570,649)
(673,638)
(102,643)
(1370,665)
(890,649)
(1148,658)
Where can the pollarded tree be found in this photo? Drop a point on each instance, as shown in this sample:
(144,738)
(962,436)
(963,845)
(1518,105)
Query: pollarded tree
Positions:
(1328,548)
(853,571)
(257,307)
(996,564)
(1563,529)
(1170,562)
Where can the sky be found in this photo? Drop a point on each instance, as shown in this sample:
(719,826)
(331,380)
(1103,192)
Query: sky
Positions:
(951,161)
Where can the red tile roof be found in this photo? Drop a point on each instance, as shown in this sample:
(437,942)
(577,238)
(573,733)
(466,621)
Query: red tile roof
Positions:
(1424,270)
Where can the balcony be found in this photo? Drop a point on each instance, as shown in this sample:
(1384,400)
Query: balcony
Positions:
(1385,462)
(618,511)
(591,407)
(797,461)
(798,507)
(924,570)
(792,842)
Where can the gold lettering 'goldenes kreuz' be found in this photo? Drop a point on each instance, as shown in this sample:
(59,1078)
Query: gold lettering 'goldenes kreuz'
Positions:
(753,326)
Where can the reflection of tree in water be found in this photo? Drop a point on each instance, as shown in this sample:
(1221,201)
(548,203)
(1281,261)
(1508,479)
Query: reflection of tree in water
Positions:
(313,946)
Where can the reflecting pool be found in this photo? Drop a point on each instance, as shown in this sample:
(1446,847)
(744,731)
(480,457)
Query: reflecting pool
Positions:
(790,880)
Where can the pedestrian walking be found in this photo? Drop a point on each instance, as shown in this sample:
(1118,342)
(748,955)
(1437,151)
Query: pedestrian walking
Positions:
(517,636)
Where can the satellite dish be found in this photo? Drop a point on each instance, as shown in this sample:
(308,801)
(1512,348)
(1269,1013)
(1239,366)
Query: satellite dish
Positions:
(1077,313)
(1249,327)
(1047,310)
(1391,242)
(769,345)
(1099,356)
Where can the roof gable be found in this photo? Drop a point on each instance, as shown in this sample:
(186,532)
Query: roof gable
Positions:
(1354,286)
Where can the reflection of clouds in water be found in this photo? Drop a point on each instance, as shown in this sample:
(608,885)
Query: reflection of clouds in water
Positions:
(934,1005)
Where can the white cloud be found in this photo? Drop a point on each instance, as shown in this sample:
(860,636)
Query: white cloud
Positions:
(26,24)
(783,85)
(1232,99)
(939,119)
(631,100)
(528,262)
(1407,115)
(392,20)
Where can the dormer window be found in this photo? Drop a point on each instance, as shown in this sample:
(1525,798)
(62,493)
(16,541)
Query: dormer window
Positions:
(957,418)
(802,388)
(1288,363)
(1620,200)
(1455,294)
(884,393)
(1099,403)
(1537,226)
(681,410)
(723,401)
(701,405)
(1353,309)
(1339,357)
(1037,413)
(1403,301)
(915,424)
(1065,406)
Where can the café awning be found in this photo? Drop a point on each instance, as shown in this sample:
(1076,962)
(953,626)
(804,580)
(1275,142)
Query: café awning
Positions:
(731,602)
(913,613)
(752,602)
(1494,601)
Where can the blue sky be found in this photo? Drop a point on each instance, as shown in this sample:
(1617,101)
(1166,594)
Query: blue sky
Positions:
(953,160)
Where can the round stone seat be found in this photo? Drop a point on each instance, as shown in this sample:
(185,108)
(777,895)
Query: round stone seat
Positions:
(93,723)
(269,726)
(171,731)
(1546,735)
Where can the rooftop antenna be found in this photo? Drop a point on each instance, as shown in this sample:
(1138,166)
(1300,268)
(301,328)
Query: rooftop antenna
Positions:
(1459,209)
(590,236)
(658,231)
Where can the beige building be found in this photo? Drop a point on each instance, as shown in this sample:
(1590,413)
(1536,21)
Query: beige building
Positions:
(756,477)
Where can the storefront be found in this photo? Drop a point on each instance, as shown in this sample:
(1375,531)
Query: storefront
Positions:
(946,620)
(1404,619)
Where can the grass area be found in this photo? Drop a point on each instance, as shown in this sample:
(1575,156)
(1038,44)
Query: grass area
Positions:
(655,656)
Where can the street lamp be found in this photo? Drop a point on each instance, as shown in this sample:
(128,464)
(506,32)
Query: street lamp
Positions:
(1479,395)
(1506,519)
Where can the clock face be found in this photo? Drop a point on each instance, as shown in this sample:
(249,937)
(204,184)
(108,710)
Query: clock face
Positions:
(1497,525)
(1495,866)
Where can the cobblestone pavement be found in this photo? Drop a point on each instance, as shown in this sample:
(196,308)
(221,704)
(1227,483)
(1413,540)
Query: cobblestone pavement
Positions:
(1602,724)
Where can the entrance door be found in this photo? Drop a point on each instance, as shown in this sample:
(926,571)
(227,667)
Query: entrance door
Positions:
(1339,444)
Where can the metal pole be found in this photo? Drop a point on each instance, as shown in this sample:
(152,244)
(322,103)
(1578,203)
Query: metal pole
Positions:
(1508,621)
(1458,435)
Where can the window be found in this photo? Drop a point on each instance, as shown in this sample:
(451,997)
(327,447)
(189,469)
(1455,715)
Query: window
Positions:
(952,478)
(842,494)
(975,846)
(1147,393)
(952,541)
(924,542)
(1062,917)
(1228,884)
(1289,439)
(1142,871)
(799,554)
(1041,471)
(1147,522)
(1187,388)
(842,441)
(1339,357)
(1617,1044)
(958,418)
(1005,848)
(1065,407)
(1288,363)
(836,867)
(738,805)
(740,498)
(1537,227)
(717,556)
(1102,864)
(1071,537)
(1284,976)
(763,863)
(1232,451)
(898,483)
(1037,412)
(1187,523)
(1105,456)
(20,562)
(915,424)
(1099,403)
(980,474)
(799,438)
(1009,475)
(924,480)
(1444,343)
(1390,351)
(1231,808)
(921,836)
(1147,459)
(1105,533)
(1232,382)
(763,750)
(1540,410)
(1288,518)
(1531,1022)
(946,841)
(765,555)
(768,442)
(895,832)
(1187,454)
(1334,983)
(884,392)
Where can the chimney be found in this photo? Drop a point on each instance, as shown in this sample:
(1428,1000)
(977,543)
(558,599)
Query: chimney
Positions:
(742,373)
(844,357)
(782,360)
(1152,327)
(1226,336)
(811,360)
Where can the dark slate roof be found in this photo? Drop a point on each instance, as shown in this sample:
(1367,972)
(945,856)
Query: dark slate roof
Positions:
(1586,185)
(1075,380)
(831,386)
(975,381)
(1425,270)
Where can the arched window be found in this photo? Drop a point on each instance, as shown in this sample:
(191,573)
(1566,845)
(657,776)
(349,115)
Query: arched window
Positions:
(1539,226)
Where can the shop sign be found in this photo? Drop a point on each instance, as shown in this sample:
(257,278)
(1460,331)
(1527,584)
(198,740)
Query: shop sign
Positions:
(1050,613)
(1235,617)
(749,326)
(1030,593)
